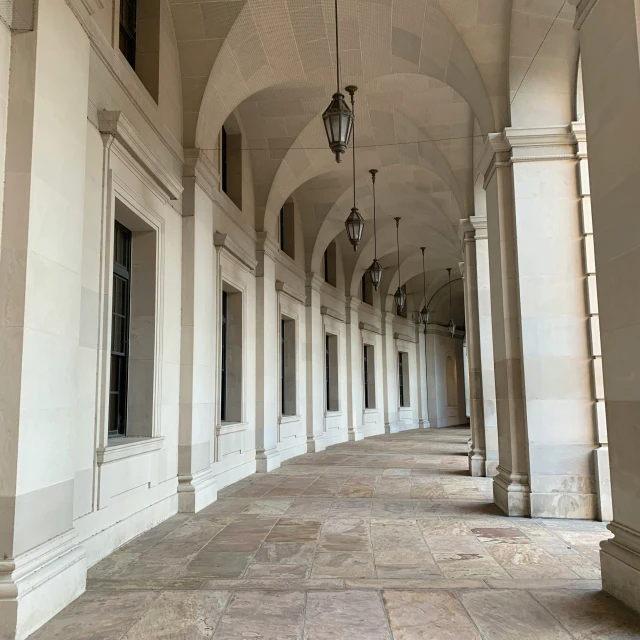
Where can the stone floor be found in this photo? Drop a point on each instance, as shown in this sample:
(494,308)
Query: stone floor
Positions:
(384,538)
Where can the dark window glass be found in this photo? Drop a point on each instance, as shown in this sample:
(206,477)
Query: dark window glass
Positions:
(326,265)
(327,366)
(401,377)
(282,366)
(120,322)
(282,228)
(128,12)
(366,378)
(223,390)
(224,168)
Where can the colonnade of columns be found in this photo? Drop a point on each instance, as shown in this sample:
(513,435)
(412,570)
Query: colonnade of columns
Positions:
(557,343)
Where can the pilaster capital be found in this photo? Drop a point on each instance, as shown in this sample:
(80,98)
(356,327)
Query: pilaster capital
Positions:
(479,223)
(583,10)
(266,245)
(579,131)
(223,242)
(466,232)
(388,317)
(532,144)
(353,303)
(462,266)
(495,153)
(314,282)
(199,167)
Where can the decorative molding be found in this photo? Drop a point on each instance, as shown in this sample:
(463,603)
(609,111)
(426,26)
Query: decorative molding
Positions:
(404,337)
(332,313)
(479,223)
(462,267)
(116,124)
(121,448)
(582,12)
(579,131)
(370,327)
(534,144)
(495,151)
(198,166)
(466,231)
(222,241)
(284,288)
(313,282)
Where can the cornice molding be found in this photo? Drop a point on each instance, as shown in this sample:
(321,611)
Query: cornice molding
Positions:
(534,144)
(116,124)
(223,242)
(364,326)
(332,313)
(404,337)
(582,12)
(285,289)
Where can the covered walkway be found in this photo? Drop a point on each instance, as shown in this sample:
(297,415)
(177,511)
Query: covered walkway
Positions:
(384,538)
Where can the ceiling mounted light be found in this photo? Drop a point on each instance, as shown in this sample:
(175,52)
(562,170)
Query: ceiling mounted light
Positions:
(375,270)
(452,324)
(355,222)
(400,297)
(424,313)
(338,118)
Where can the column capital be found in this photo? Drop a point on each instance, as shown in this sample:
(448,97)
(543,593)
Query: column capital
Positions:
(266,245)
(583,10)
(198,167)
(466,232)
(314,282)
(495,153)
(479,223)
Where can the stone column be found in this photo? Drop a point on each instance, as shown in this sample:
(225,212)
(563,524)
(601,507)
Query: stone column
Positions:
(541,348)
(487,372)
(609,35)
(42,568)
(315,365)
(197,485)
(267,356)
(477,453)
(389,362)
(354,370)
(421,359)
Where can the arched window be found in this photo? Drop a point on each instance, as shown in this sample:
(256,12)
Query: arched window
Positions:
(452,381)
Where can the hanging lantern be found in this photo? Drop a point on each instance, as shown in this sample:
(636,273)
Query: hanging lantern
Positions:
(375,270)
(424,313)
(452,324)
(338,118)
(355,226)
(355,222)
(400,297)
(338,124)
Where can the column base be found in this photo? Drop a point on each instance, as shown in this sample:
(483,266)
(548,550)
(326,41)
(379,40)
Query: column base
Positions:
(477,464)
(603,483)
(491,468)
(316,443)
(575,506)
(620,559)
(197,491)
(355,435)
(423,423)
(39,583)
(267,459)
(511,493)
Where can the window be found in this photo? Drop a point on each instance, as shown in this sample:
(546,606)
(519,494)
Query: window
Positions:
(367,288)
(330,275)
(223,160)
(287,229)
(231,161)
(128,14)
(288,367)
(369,378)
(452,381)
(331,372)
(120,328)
(140,40)
(403,378)
(231,369)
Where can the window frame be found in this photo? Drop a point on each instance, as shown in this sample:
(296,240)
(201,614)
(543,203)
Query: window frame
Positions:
(127,41)
(223,358)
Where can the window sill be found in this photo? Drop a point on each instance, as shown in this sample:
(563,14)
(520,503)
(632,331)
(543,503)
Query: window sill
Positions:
(370,410)
(286,419)
(231,427)
(120,448)
(332,414)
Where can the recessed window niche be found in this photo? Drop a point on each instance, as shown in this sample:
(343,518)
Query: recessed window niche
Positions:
(288,366)
(232,355)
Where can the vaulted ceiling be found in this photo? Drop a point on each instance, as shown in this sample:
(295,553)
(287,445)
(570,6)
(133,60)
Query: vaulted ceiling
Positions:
(434,76)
